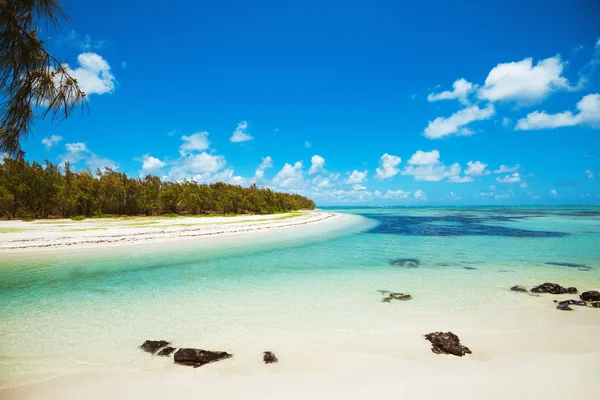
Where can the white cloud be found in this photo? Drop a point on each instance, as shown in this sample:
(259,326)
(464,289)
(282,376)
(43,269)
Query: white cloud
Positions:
(93,75)
(455,124)
(195,142)
(476,168)
(290,176)
(151,165)
(199,167)
(514,178)
(357,177)
(460,179)
(504,169)
(51,141)
(553,193)
(388,168)
(259,174)
(420,195)
(317,164)
(307,145)
(321,182)
(460,91)
(425,157)
(589,173)
(241,133)
(524,83)
(396,194)
(433,172)
(79,152)
(589,114)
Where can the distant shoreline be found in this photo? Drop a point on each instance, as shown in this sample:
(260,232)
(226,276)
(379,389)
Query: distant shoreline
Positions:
(39,235)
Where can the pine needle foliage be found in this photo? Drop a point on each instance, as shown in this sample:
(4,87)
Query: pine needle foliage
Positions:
(31,79)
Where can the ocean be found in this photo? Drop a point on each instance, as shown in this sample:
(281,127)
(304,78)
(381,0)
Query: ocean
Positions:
(305,293)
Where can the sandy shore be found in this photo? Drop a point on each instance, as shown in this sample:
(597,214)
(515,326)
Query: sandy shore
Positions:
(96,233)
(528,352)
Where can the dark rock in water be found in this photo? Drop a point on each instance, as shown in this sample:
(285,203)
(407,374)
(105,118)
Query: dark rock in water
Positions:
(151,346)
(400,296)
(446,343)
(469,268)
(552,288)
(595,304)
(397,296)
(572,290)
(518,288)
(198,357)
(569,265)
(165,352)
(563,307)
(572,303)
(406,262)
(590,296)
(269,358)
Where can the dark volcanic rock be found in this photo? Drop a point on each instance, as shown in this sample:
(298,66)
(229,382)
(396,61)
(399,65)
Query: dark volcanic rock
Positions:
(446,343)
(165,352)
(518,288)
(552,288)
(400,296)
(198,357)
(590,296)
(269,357)
(572,303)
(151,346)
(595,304)
(563,307)
(572,290)
(406,262)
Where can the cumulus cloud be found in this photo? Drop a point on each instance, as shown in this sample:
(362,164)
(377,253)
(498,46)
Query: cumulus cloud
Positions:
(93,74)
(420,195)
(476,168)
(588,114)
(51,141)
(194,142)
(290,176)
(456,123)
(396,194)
(503,169)
(433,172)
(425,157)
(460,90)
(514,178)
(388,167)
(150,165)
(259,174)
(241,133)
(79,152)
(524,83)
(200,167)
(357,177)
(460,179)
(317,165)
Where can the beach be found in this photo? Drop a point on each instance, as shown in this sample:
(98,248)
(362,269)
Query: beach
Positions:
(73,319)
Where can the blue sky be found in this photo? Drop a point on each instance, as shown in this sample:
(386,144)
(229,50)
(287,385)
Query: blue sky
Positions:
(378,102)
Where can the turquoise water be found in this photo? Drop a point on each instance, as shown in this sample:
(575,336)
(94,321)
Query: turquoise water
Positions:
(291,290)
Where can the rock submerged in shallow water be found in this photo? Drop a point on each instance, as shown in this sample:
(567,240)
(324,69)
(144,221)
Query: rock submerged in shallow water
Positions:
(553,288)
(592,295)
(406,262)
(151,346)
(446,343)
(563,307)
(166,352)
(269,357)
(595,304)
(397,296)
(573,303)
(198,357)
(518,288)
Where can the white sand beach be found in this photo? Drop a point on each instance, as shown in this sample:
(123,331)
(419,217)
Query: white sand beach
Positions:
(18,235)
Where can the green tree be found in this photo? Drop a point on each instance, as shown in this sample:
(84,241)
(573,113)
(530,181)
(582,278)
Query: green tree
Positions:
(30,77)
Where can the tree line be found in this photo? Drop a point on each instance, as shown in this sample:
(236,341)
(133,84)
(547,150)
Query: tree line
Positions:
(33,190)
